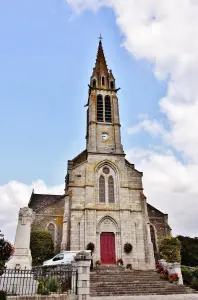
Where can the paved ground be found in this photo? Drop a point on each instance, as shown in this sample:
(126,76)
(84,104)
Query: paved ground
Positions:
(151,297)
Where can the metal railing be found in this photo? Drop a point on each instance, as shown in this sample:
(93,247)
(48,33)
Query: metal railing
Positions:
(39,281)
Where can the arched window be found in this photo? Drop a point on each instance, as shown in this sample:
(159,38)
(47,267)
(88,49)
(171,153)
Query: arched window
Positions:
(99,108)
(112,85)
(94,83)
(111,189)
(51,229)
(103,80)
(102,189)
(108,109)
(153,238)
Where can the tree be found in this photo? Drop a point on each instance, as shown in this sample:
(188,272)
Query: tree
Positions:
(169,249)
(189,250)
(41,245)
(6,251)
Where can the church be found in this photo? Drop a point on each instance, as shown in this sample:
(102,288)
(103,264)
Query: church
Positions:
(103,202)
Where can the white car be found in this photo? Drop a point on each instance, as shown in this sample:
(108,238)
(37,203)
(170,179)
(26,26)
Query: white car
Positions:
(65,257)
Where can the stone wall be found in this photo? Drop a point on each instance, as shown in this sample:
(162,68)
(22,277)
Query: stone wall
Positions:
(125,218)
(51,297)
(48,211)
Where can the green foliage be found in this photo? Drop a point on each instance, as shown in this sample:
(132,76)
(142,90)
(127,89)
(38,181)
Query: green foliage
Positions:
(3,295)
(97,263)
(189,250)
(128,248)
(51,284)
(169,249)
(41,246)
(187,275)
(91,246)
(190,277)
(47,286)
(6,251)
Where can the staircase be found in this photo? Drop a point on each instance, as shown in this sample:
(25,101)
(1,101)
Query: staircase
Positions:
(116,281)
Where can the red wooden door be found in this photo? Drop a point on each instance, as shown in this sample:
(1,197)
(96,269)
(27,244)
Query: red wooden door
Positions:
(107,248)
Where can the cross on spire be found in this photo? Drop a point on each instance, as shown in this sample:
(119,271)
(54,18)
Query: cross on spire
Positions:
(100,38)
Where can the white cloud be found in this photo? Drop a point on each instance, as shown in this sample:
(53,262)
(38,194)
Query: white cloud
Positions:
(170,186)
(165,33)
(153,127)
(15,195)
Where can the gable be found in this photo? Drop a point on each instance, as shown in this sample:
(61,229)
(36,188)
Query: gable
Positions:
(154,212)
(41,201)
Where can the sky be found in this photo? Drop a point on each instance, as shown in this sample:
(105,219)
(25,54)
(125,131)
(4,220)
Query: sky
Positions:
(47,53)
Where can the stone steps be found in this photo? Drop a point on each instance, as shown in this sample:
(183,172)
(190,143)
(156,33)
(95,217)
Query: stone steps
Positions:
(118,281)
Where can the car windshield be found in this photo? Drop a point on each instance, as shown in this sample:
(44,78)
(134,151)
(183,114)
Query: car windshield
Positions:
(58,257)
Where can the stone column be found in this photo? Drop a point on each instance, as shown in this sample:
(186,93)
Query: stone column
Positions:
(83,262)
(22,255)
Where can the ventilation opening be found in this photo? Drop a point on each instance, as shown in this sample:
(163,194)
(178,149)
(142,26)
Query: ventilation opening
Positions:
(103,80)
(112,85)
(94,83)
(108,118)
(99,108)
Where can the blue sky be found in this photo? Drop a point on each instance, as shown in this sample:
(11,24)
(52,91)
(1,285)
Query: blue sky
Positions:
(47,52)
(46,56)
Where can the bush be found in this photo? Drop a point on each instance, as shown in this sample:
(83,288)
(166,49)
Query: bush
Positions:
(3,295)
(194,285)
(129,266)
(41,245)
(91,247)
(187,275)
(128,248)
(51,285)
(97,263)
(6,251)
(169,249)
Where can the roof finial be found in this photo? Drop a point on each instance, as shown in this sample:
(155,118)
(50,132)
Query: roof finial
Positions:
(100,38)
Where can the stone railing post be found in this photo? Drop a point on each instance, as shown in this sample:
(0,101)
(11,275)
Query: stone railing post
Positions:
(176,268)
(163,263)
(172,269)
(83,262)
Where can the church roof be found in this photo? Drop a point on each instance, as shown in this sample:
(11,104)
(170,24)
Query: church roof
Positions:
(38,201)
(152,208)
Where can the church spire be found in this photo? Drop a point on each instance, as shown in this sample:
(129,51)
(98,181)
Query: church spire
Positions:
(101,65)
(102,77)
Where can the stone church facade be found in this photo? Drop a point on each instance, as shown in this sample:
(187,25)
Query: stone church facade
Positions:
(103,201)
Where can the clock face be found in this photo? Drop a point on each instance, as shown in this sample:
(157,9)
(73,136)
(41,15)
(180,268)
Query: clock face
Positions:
(104,136)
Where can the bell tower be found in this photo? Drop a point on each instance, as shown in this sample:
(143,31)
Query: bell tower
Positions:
(103,122)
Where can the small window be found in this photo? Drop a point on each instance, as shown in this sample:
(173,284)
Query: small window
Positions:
(112,85)
(103,80)
(102,189)
(94,83)
(108,109)
(99,108)
(111,190)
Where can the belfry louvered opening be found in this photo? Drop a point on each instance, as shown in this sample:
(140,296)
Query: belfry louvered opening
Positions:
(99,108)
(111,189)
(102,189)
(108,117)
